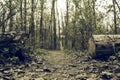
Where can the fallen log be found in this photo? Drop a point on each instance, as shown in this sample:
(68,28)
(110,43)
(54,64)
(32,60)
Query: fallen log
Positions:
(103,45)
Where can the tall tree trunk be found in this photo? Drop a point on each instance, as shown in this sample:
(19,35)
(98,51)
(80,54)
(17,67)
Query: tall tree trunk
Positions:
(58,28)
(11,18)
(25,14)
(63,28)
(3,18)
(115,22)
(58,24)
(41,24)
(32,26)
(54,24)
(67,21)
(94,14)
(74,23)
(21,15)
(51,29)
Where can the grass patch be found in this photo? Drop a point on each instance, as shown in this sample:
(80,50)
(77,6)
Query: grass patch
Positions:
(75,52)
(40,51)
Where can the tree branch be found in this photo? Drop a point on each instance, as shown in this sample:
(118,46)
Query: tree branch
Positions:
(117,5)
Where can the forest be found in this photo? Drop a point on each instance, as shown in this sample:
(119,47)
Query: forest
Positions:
(49,39)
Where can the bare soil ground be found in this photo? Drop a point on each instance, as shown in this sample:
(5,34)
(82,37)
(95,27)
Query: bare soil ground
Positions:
(60,65)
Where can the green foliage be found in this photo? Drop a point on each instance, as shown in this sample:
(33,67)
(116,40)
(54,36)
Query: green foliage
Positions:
(82,15)
(9,53)
(13,59)
(12,49)
(40,51)
(75,51)
(118,55)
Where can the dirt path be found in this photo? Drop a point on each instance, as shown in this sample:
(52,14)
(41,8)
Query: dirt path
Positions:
(58,58)
(60,65)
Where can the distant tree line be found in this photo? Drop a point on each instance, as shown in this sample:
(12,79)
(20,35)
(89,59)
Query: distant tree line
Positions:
(49,29)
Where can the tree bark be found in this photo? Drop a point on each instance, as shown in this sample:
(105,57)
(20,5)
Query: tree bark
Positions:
(94,13)
(54,24)
(115,21)
(21,15)
(3,18)
(32,26)
(25,14)
(117,5)
(41,23)
(67,21)
(10,14)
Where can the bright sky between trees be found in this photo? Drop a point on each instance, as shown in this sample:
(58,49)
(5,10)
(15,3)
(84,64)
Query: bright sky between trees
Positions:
(100,4)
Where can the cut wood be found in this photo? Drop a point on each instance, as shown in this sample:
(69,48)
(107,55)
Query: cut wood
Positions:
(104,45)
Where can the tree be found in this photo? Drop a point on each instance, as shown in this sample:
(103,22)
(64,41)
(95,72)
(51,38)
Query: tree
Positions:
(55,35)
(81,20)
(52,27)
(41,23)
(54,24)
(3,25)
(10,14)
(21,15)
(115,22)
(3,18)
(25,15)
(67,22)
(117,5)
(94,12)
(58,24)
(32,25)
